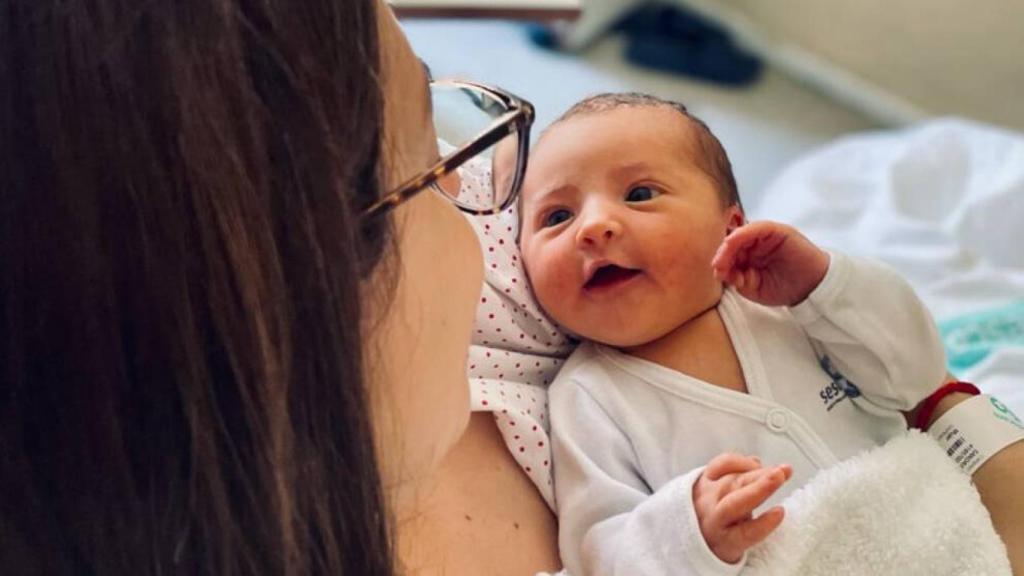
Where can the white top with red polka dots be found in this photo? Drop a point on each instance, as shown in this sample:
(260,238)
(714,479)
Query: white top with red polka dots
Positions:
(516,349)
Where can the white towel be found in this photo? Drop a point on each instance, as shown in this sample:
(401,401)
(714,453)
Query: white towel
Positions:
(903,509)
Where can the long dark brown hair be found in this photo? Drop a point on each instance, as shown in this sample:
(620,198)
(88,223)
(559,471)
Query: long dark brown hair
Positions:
(181,383)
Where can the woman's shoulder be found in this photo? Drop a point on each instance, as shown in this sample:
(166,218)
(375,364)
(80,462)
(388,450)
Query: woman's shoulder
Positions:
(483,505)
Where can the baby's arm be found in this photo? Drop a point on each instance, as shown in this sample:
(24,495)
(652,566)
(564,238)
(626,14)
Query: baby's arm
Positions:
(611,521)
(998,482)
(861,314)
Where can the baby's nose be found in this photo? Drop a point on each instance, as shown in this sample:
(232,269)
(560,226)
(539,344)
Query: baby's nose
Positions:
(598,229)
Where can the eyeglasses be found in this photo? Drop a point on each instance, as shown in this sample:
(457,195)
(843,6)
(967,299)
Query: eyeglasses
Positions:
(479,123)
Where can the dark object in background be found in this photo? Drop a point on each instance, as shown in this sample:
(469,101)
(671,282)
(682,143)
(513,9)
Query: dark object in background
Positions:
(672,39)
(543,36)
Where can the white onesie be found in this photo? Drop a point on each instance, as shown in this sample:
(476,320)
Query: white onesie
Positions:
(826,379)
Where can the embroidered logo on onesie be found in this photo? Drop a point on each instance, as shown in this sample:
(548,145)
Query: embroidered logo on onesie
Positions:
(839,389)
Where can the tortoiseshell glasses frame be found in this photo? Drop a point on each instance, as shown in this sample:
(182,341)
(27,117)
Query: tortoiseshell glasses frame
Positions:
(517,119)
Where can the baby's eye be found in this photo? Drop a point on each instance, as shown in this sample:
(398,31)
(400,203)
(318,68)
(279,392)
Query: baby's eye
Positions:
(641,194)
(556,217)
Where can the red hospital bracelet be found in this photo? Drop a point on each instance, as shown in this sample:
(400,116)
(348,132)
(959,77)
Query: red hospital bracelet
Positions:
(929,404)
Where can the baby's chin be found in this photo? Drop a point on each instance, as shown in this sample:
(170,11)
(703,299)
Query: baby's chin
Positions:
(634,331)
(622,337)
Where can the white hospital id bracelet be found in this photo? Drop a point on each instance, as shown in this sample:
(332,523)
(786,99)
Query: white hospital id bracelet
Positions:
(975,430)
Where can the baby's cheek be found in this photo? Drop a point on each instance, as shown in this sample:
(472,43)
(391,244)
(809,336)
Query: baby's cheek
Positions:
(551,281)
(688,275)
(545,279)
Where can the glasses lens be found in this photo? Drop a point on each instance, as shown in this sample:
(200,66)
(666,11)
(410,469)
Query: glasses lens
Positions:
(461,114)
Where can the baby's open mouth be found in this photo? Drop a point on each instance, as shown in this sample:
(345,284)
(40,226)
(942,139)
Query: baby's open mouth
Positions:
(609,275)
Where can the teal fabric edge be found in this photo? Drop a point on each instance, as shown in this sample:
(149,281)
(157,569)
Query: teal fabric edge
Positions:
(970,338)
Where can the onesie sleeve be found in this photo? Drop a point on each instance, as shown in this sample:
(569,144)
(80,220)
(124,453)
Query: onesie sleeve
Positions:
(868,324)
(610,521)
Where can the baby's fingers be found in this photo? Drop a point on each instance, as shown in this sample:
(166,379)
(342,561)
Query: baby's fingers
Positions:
(733,251)
(729,463)
(754,490)
(751,245)
(753,477)
(751,532)
(750,281)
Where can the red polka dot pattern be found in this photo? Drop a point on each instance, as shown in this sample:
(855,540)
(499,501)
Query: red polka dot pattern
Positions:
(516,349)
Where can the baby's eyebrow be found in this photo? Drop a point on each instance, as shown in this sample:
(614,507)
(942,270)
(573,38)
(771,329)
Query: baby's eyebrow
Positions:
(629,170)
(546,194)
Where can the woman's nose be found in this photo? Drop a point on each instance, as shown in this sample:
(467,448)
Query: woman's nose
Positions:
(597,228)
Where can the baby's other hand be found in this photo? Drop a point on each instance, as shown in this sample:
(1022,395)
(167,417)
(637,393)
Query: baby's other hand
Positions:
(725,496)
(770,263)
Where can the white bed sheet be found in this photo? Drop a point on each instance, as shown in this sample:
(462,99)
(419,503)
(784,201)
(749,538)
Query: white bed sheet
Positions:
(943,203)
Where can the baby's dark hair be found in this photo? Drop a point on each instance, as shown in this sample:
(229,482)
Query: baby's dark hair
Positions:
(713,160)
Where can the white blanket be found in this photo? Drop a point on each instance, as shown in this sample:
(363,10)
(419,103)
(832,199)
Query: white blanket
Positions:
(901,510)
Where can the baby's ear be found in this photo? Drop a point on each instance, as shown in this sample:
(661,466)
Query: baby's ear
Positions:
(735,218)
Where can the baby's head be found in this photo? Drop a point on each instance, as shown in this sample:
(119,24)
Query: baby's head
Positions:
(626,199)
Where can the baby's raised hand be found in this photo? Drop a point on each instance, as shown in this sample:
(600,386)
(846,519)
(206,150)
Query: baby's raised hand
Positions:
(770,263)
(725,496)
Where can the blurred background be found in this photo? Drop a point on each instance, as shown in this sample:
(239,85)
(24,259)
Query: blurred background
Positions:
(773,78)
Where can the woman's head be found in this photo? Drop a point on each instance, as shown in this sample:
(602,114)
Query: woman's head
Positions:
(183,273)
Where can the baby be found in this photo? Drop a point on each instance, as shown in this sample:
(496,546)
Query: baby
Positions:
(707,340)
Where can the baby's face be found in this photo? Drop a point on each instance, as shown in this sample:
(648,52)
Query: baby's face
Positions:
(619,225)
